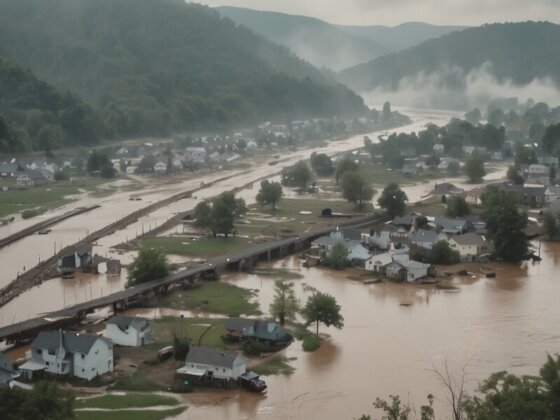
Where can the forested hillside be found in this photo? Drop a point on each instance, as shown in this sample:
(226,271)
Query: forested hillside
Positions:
(153,66)
(519,52)
(316,41)
(34,115)
(400,37)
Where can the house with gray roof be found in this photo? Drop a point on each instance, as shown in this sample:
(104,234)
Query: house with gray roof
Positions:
(66,353)
(471,246)
(80,257)
(8,170)
(262,330)
(424,238)
(451,226)
(132,331)
(213,363)
(31,178)
(349,238)
(552,194)
(7,371)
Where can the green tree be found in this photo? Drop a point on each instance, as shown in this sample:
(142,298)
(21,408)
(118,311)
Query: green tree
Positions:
(474,168)
(442,253)
(298,175)
(356,188)
(387,114)
(457,207)
(322,308)
(506,224)
(150,264)
(343,166)
(514,176)
(218,215)
(44,401)
(473,116)
(524,156)
(550,225)
(454,168)
(50,137)
(322,164)
(393,200)
(338,257)
(269,194)
(551,139)
(285,304)
(395,409)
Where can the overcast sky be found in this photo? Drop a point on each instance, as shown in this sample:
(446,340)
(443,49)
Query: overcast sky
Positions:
(393,12)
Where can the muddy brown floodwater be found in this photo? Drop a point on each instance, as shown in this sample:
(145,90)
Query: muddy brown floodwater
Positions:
(485,325)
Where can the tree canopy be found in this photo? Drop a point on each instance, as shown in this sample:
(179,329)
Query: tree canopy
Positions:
(356,188)
(218,215)
(150,264)
(322,164)
(150,67)
(337,257)
(285,304)
(344,165)
(44,401)
(37,116)
(393,200)
(505,223)
(457,206)
(474,168)
(269,194)
(298,175)
(323,308)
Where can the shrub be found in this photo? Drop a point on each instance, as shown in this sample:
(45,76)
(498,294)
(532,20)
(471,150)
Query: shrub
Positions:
(311,342)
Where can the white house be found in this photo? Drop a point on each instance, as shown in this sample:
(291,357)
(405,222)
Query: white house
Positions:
(552,194)
(379,239)
(160,167)
(128,331)
(213,362)
(131,169)
(470,245)
(415,270)
(538,174)
(7,371)
(65,353)
(378,263)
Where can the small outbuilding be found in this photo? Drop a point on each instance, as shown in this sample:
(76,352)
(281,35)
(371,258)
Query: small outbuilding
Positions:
(129,331)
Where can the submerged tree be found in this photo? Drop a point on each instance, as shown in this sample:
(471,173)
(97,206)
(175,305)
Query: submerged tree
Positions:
(337,257)
(322,308)
(506,224)
(285,304)
(474,168)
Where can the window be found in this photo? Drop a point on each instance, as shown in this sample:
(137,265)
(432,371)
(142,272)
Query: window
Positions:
(51,352)
(47,363)
(83,370)
(83,356)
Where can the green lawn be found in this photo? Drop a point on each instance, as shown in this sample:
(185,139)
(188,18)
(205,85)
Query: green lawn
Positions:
(215,297)
(380,176)
(129,414)
(48,196)
(276,365)
(204,247)
(125,401)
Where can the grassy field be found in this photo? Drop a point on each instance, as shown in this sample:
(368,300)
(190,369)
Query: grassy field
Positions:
(129,414)
(215,297)
(48,196)
(112,402)
(276,365)
(165,328)
(380,176)
(288,221)
(205,247)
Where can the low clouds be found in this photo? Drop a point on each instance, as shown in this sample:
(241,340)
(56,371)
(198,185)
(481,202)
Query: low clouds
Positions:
(394,12)
(450,88)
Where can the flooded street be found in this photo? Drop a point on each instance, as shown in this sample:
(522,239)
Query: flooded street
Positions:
(26,253)
(486,325)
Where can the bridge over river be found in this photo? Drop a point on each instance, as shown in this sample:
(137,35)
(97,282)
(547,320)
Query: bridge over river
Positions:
(239,260)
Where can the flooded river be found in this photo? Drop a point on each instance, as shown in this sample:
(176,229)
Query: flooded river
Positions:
(27,252)
(485,325)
